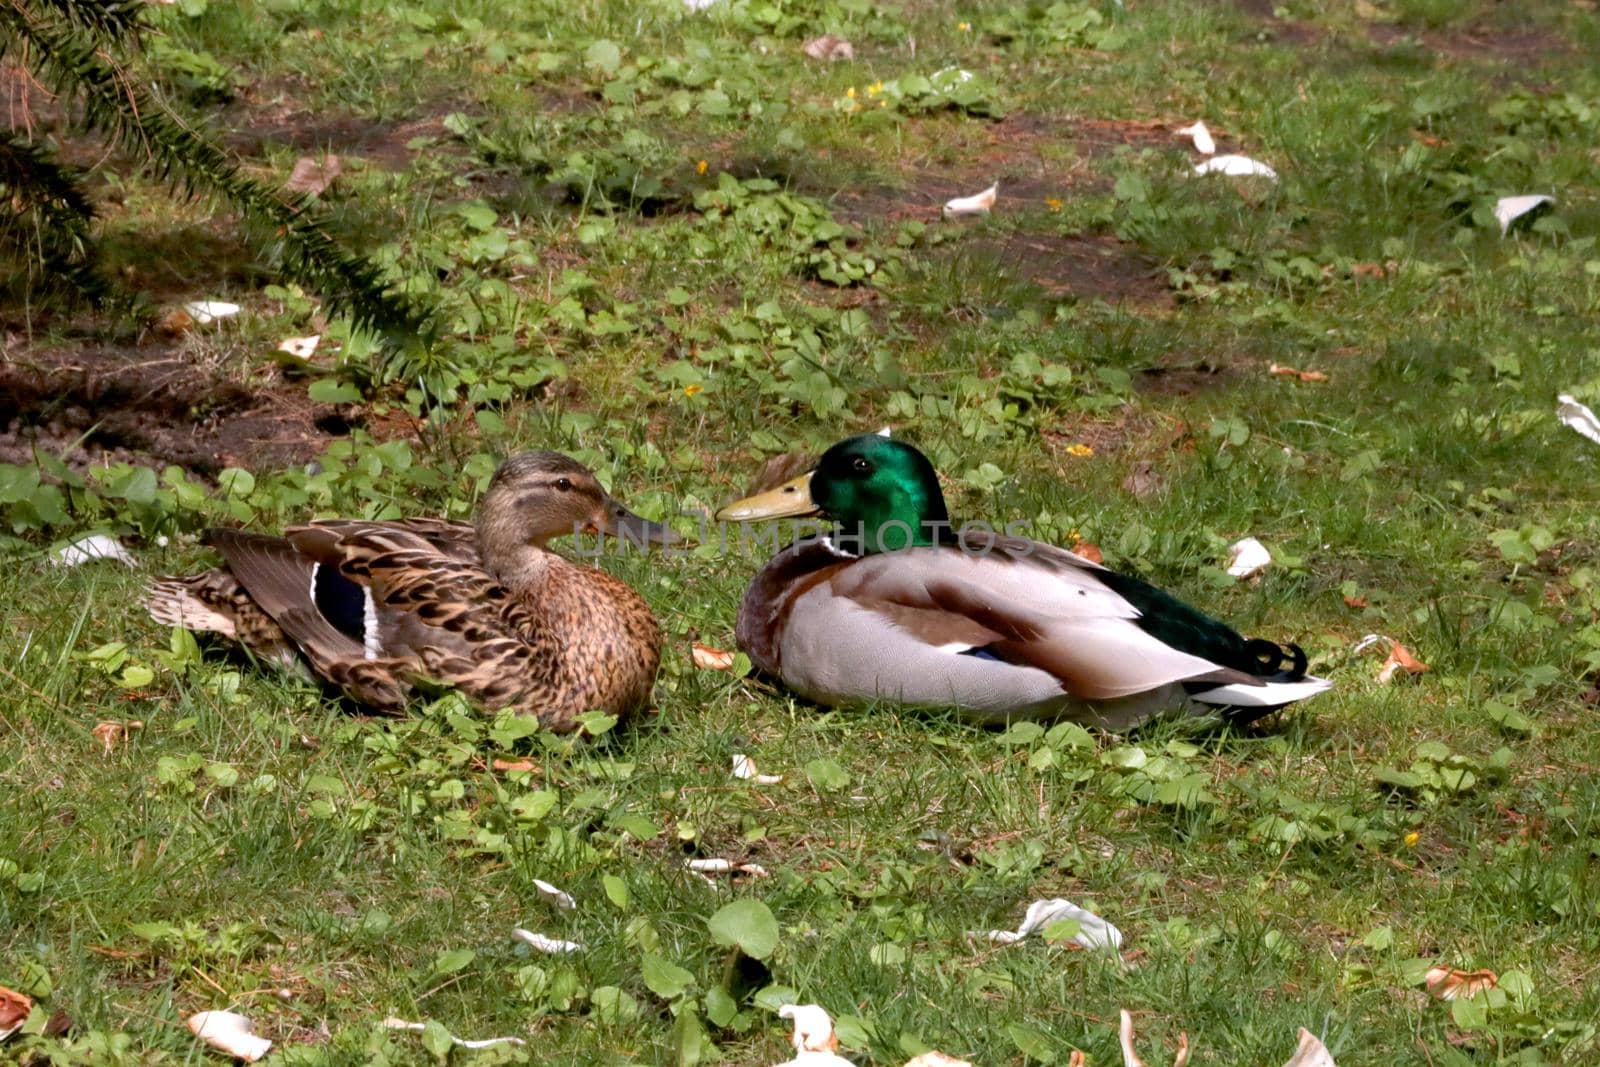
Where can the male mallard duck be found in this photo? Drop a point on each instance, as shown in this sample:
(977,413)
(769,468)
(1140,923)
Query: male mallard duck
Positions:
(896,605)
(374,607)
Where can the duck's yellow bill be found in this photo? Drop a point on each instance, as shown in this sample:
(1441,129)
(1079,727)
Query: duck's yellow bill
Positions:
(791,498)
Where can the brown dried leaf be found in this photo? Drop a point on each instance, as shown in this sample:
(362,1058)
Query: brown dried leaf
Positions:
(829,46)
(174,323)
(14,1008)
(1355,601)
(1089,551)
(1369,270)
(712,659)
(1278,370)
(1077,1059)
(1447,983)
(1400,659)
(312,176)
(514,765)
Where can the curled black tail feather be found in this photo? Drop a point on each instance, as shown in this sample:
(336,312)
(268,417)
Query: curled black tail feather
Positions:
(1275,662)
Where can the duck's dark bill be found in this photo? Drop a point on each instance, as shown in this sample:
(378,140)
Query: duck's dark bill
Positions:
(792,498)
(624,525)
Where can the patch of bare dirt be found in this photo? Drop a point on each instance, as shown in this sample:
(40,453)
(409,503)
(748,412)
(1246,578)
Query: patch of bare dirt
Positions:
(1034,159)
(99,404)
(287,121)
(1185,375)
(1288,31)
(1086,267)
(1508,46)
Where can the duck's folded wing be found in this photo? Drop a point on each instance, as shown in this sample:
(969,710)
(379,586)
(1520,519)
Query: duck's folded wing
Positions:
(1042,611)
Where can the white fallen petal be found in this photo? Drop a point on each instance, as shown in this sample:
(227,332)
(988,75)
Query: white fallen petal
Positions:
(1578,417)
(813,1027)
(391,1023)
(1093,931)
(885,432)
(551,945)
(300,347)
(1237,167)
(1311,1052)
(817,1059)
(976,204)
(936,1059)
(1509,209)
(205,312)
(1204,143)
(229,1032)
(698,5)
(559,898)
(710,866)
(744,768)
(1247,558)
(95,546)
(829,46)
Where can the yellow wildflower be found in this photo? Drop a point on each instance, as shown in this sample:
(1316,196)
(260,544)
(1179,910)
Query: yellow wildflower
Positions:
(700,167)
(1052,203)
(1079,449)
(964,27)
(1412,838)
(875,88)
(851,92)
(691,390)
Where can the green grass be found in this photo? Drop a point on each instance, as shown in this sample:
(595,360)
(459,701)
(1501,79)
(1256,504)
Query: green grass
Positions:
(533,171)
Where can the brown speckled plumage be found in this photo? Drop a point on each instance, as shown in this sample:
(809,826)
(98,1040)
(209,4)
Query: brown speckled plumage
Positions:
(486,608)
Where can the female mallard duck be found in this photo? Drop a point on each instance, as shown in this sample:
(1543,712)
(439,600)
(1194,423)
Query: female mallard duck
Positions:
(898,606)
(374,607)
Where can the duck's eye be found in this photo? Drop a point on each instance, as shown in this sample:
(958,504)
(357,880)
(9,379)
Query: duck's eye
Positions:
(564,484)
(860,464)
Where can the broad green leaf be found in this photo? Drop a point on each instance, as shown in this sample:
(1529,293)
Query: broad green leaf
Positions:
(664,978)
(453,960)
(827,775)
(747,924)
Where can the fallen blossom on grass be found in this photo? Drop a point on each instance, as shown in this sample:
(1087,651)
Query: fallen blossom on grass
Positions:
(1278,370)
(814,1039)
(1311,1052)
(1236,167)
(744,768)
(1247,558)
(300,347)
(88,549)
(829,46)
(112,734)
(1400,657)
(229,1032)
(1508,209)
(1447,983)
(392,1023)
(976,204)
(560,898)
(14,1009)
(205,312)
(1093,931)
(551,946)
(936,1059)
(1198,133)
(1578,417)
(708,658)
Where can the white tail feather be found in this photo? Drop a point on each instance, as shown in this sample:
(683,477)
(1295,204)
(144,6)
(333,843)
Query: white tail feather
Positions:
(1271,695)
